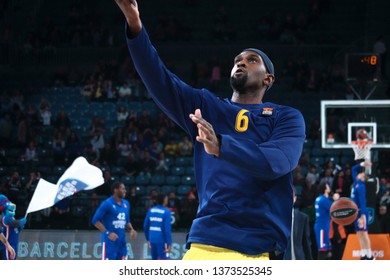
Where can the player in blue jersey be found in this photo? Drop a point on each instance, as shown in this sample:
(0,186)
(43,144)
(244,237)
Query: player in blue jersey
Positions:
(5,246)
(358,195)
(158,229)
(11,230)
(244,150)
(322,206)
(112,218)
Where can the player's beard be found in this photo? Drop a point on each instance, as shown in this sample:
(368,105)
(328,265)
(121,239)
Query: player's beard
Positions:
(239,84)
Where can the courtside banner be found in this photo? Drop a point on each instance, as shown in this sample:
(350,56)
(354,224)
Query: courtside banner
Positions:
(380,246)
(85,245)
(188,270)
(79,176)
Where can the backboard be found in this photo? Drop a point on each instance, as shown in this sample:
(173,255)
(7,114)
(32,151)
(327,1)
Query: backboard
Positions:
(341,119)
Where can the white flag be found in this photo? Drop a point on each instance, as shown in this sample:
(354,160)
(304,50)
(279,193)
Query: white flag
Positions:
(79,176)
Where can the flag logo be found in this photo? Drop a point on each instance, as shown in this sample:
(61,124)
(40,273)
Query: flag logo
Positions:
(69,187)
(267,111)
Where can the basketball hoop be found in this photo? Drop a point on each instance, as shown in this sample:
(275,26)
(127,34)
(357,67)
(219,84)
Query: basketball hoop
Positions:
(362,149)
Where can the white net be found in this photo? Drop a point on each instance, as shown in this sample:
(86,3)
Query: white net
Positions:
(362,149)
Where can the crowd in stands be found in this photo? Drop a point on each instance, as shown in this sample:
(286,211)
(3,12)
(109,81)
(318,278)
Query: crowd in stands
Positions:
(136,143)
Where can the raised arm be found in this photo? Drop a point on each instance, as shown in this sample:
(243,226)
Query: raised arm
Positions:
(129,9)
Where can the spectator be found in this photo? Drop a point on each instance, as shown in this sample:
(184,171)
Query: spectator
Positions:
(59,149)
(171,148)
(328,176)
(121,115)
(73,147)
(108,156)
(156,148)
(151,201)
(124,149)
(133,198)
(161,165)
(124,91)
(309,192)
(30,156)
(131,166)
(185,146)
(91,155)
(147,164)
(46,116)
(313,173)
(341,185)
(62,123)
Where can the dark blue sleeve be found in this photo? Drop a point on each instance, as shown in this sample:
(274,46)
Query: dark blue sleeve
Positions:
(174,97)
(168,227)
(273,158)
(146,225)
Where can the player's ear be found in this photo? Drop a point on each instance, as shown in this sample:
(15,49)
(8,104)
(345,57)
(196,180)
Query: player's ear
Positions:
(269,79)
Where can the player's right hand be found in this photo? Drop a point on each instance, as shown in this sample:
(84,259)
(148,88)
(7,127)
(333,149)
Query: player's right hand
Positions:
(130,10)
(113,236)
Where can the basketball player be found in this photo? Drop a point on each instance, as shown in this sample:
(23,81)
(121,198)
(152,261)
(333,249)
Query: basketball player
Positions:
(112,218)
(244,150)
(322,206)
(358,195)
(158,229)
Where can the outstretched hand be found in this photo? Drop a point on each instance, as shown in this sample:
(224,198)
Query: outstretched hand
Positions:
(130,10)
(206,134)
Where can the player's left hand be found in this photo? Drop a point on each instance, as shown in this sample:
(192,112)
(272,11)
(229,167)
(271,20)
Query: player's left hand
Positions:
(206,134)
(133,234)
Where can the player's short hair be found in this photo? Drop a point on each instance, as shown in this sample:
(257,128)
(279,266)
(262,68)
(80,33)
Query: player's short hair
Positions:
(161,198)
(322,187)
(115,186)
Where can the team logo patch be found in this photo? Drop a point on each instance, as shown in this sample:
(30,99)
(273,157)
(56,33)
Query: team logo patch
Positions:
(267,111)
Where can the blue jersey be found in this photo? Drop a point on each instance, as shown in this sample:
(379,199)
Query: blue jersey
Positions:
(322,224)
(245,194)
(114,217)
(322,206)
(358,193)
(157,225)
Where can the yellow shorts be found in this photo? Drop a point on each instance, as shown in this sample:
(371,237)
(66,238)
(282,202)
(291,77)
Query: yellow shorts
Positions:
(208,252)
